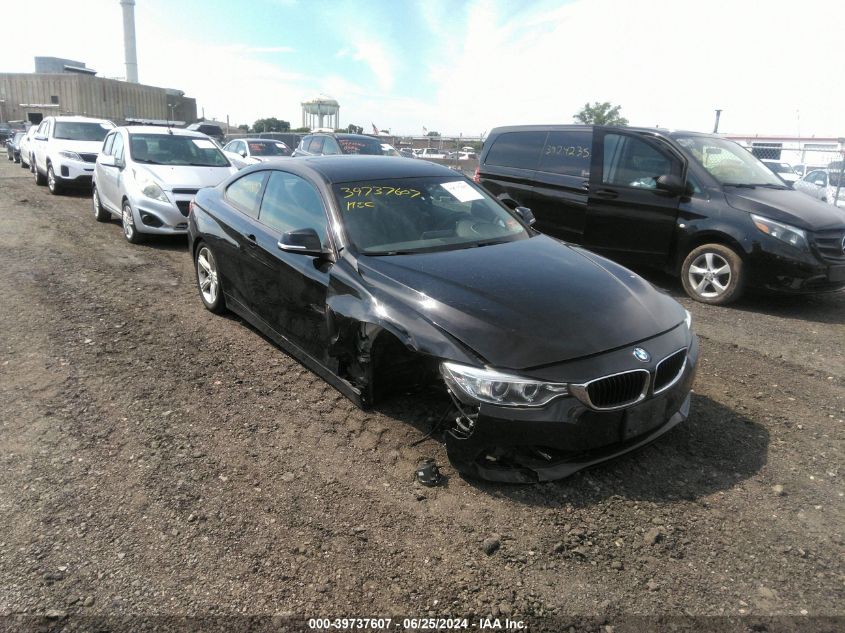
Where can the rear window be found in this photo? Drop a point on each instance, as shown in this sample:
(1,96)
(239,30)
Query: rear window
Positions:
(368,146)
(517,149)
(567,153)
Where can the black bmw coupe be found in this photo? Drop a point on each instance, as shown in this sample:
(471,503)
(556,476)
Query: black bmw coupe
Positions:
(378,273)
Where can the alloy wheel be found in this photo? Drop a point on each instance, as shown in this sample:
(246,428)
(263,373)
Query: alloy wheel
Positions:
(128,222)
(207,276)
(710,275)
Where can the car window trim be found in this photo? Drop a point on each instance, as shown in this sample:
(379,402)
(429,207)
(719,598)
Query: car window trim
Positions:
(260,196)
(654,141)
(326,210)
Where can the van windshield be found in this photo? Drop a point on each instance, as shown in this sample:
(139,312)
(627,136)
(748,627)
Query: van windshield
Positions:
(728,162)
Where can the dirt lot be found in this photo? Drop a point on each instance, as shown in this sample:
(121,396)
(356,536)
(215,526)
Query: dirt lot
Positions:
(157,460)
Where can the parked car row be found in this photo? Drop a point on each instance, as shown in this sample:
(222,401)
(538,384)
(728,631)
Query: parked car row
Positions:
(382,274)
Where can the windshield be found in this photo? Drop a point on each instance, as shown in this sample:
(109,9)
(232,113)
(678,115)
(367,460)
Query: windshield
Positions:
(170,149)
(413,215)
(729,162)
(780,168)
(79,131)
(271,148)
(360,145)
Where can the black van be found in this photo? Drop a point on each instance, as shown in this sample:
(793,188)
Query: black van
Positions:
(697,205)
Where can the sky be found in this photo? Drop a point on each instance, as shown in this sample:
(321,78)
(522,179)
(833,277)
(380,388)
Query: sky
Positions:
(466,66)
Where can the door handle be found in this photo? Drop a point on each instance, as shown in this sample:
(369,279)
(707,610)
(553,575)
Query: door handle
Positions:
(252,243)
(606,193)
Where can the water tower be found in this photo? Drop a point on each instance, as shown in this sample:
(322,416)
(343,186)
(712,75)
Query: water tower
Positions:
(321,111)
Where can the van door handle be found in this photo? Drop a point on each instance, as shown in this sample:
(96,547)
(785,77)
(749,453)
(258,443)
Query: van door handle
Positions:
(606,193)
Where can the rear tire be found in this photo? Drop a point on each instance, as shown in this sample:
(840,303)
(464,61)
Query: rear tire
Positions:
(714,274)
(100,214)
(208,280)
(23,165)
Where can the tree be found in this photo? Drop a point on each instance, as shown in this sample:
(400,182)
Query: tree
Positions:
(601,114)
(354,129)
(433,133)
(244,127)
(271,124)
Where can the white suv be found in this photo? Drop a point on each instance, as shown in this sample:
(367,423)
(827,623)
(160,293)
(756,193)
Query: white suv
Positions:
(64,150)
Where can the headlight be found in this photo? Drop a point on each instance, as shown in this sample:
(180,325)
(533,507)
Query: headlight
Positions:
(150,188)
(476,384)
(688,319)
(71,155)
(784,232)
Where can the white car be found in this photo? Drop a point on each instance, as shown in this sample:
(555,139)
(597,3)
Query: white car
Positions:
(784,171)
(388,150)
(64,150)
(431,152)
(823,185)
(26,147)
(249,151)
(147,176)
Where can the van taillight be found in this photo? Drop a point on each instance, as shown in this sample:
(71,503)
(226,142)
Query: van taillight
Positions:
(476,177)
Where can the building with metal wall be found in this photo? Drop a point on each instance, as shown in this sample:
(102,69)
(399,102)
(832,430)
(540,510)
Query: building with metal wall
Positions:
(32,96)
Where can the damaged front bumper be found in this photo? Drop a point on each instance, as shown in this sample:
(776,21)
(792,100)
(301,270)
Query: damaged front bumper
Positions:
(552,442)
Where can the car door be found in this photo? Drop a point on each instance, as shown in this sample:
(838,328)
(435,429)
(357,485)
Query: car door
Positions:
(559,196)
(628,217)
(104,175)
(237,224)
(290,288)
(41,141)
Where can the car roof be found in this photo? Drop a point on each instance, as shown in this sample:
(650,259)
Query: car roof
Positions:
(161,129)
(347,168)
(82,119)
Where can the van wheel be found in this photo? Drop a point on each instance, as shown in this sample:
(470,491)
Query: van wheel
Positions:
(713,273)
(40,180)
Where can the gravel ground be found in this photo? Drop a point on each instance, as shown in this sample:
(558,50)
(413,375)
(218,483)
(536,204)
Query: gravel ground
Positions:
(158,461)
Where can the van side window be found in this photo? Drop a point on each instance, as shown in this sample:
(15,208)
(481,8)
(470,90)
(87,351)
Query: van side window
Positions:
(631,162)
(517,149)
(567,153)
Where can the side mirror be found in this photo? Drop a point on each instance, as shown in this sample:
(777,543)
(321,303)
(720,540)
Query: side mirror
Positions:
(526,214)
(302,241)
(672,184)
(107,161)
(820,183)
(40,137)
(242,153)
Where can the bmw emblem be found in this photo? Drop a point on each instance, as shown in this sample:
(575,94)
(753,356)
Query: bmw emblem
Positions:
(641,355)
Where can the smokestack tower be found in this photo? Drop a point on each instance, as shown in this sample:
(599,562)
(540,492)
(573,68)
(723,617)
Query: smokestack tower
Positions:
(128,7)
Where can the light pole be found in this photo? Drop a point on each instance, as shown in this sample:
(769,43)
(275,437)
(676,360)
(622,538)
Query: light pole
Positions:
(716,126)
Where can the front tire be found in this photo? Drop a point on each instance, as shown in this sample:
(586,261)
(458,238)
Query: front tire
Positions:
(714,274)
(100,214)
(208,280)
(52,182)
(130,232)
(40,180)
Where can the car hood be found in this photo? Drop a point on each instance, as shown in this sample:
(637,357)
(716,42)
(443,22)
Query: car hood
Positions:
(186,177)
(786,205)
(524,304)
(86,147)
